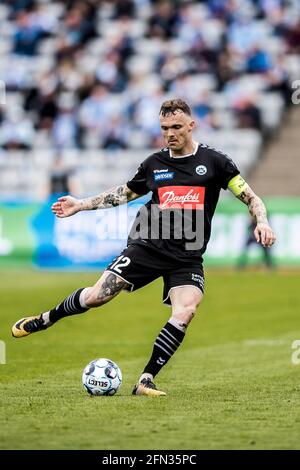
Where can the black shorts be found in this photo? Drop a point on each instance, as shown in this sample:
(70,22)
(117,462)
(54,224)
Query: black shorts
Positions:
(139,266)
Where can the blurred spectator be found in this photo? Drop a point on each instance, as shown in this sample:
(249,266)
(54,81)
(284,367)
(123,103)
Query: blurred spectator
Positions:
(115,134)
(163,23)
(144,109)
(258,61)
(77,28)
(44,105)
(62,180)
(293,38)
(27,36)
(68,76)
(21,5)
(97,108)
(224,69)
(249,241)
(75,32)
(204,112)
(65,131)
(170,66)
(123,9)
(111,72)
(16,131)
(244,34)
(247,115)
(278,80)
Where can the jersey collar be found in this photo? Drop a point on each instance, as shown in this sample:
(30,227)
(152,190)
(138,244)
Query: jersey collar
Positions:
(185,156)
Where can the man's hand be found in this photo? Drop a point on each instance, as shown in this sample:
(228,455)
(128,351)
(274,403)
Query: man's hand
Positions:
(263,232)
(264,235)
(66,206)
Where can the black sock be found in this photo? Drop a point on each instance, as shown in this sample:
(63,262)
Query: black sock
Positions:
(69,306)
(166,344)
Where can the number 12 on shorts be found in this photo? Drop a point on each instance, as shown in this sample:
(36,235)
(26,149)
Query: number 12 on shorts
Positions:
(121,262)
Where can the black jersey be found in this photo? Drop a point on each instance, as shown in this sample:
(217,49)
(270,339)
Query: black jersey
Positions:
(185,184)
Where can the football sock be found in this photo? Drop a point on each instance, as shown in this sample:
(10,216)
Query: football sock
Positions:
(166,344)
(72,305)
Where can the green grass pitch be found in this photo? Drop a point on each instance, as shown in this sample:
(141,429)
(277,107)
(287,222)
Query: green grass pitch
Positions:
(231,385)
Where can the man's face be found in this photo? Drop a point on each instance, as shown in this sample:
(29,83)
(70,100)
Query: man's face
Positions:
(176,129)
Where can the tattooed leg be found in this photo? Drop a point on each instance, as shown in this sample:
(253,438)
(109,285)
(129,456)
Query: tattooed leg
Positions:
(111,286)
(80,301)
(108,286)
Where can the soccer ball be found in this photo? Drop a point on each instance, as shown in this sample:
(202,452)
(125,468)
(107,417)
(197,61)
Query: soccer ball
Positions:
(102,377)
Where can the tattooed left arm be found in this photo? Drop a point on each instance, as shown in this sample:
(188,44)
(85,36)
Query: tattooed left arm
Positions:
(263,232)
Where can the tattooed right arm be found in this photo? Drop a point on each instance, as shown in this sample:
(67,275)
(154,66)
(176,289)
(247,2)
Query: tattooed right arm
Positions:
(68,205)
(110,198)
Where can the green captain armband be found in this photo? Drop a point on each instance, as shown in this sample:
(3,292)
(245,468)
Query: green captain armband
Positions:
(237,185)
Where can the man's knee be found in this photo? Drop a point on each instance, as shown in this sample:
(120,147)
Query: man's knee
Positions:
(185,312)
(185,301)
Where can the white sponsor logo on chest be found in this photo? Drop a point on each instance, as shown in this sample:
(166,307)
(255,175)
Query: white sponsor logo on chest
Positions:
(171,198)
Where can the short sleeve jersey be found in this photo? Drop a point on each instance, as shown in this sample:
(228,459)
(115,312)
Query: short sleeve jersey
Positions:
(183,185)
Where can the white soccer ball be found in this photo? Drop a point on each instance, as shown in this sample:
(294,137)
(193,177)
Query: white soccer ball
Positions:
(102,377)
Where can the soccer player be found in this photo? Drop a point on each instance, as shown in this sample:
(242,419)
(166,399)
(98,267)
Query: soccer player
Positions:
(185,178)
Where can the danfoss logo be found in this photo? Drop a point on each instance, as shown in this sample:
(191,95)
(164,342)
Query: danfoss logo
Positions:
(170,197)
(180,197)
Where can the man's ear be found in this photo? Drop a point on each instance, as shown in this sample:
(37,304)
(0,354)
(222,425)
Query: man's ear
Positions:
(192,125)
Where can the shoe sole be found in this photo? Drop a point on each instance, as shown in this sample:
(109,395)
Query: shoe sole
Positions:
(149,392)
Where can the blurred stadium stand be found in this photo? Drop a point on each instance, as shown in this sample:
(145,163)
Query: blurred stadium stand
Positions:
(86,79)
